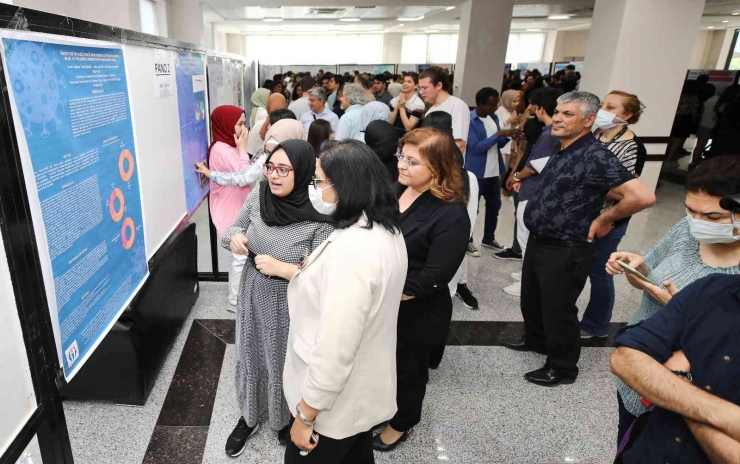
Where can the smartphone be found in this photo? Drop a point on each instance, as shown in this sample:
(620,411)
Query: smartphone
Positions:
(314,438)
(633,271)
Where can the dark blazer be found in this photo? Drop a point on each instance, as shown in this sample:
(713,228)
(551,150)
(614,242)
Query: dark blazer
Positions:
(436,235)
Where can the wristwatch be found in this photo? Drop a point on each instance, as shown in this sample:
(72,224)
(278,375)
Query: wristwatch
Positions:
(516,177)
(301,417)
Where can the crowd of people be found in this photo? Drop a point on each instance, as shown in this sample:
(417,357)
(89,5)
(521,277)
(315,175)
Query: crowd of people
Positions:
(349,201)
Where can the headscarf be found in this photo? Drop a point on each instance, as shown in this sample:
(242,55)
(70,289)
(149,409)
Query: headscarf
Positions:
(294,207)
(443,122)
(286,129)
(507,97)
(383,139)
(374,111)
(259,100)
(223,121)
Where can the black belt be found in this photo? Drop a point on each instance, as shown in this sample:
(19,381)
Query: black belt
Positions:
(254,265)
(559,243)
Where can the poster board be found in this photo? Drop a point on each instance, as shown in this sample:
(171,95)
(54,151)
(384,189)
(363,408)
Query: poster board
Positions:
(19,400)
(366,68)
(157,128)
(72,116)
(718,78)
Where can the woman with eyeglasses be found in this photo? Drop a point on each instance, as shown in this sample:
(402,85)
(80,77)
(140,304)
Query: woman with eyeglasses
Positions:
(436,227)
(277,229)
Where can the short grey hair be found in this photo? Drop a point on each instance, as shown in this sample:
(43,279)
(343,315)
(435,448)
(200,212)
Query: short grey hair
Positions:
(355,94)
(318,92)
(590,103)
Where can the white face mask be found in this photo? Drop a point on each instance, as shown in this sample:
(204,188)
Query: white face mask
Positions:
(316,196)
(605,120)
(711,232)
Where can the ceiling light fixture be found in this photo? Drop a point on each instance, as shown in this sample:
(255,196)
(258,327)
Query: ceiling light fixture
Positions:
(725,21)
(428,31)
(405,18)
(558,17)
(735,14)
(710,27)
(534,30)
(272,20)
(350,20)
(449,8)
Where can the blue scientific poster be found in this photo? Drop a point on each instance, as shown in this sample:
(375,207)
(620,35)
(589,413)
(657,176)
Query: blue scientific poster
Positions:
(73,120)
(191,99)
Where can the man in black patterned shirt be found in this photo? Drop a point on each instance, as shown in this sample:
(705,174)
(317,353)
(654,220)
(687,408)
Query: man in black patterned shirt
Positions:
(564,217)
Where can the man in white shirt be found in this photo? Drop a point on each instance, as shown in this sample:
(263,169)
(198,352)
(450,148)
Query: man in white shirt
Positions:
(300,107)
(318,110)
(434,83)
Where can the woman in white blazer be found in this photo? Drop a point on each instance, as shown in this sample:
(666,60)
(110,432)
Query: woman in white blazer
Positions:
(340,370)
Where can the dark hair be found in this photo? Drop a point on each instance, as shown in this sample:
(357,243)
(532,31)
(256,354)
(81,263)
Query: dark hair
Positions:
(326,76)
(516,84)
(437,75)
(365,83)
(277,77)
(571,67)
(294,95)
(289,73)
(380,78)
(481,98)
(277,115)
(361,183)
(318,132)
(269,85)
(338,78)
(413,76)
(547,99)
(716,177)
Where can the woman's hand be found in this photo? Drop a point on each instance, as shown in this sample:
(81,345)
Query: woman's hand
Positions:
(239,244)
(201,168)
(241,141)
(300,435)
(633,259)
(678,362)
(512,119)
(270,266)
(405,297)
(663,296)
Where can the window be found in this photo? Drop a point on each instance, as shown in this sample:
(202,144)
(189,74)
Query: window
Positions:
(525,48)
(294,49)
(148,12)
(414,48)
(429,48)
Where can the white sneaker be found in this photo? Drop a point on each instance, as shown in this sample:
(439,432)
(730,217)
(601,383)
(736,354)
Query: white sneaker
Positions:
(514,289)
(516,276)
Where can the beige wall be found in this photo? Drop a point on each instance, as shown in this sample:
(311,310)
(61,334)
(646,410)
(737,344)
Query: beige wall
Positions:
(564,45)
(710,49)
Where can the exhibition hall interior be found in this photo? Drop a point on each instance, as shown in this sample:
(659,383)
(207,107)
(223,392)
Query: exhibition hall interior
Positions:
(156,305)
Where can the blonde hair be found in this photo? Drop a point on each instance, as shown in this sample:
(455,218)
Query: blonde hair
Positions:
(631,104)
(438,149)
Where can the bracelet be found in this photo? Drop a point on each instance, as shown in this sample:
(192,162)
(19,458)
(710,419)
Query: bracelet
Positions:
(685,375)
(301,417)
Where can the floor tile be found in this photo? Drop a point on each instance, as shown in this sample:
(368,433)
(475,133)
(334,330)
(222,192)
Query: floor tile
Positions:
(183,445)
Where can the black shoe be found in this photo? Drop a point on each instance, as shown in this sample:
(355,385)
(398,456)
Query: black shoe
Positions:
(466,296)
(378,444)
(508,254)
(521,344)
(493,244)
(284,434)
(549,377)
(237,442)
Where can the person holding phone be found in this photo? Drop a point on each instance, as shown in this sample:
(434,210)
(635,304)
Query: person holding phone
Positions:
(706,241)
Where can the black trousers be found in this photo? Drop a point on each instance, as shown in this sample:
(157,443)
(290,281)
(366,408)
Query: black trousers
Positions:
(357,449)
(412,365)
(552,279)
(515,244)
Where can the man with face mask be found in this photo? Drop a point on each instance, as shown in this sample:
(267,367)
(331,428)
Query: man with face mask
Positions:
(563,219)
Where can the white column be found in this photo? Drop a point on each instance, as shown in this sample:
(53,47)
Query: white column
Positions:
(185,21)
(628,48)
(481,50)
(392,43)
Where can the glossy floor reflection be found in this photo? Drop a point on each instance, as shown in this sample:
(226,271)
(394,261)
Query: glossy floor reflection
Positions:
(478,408)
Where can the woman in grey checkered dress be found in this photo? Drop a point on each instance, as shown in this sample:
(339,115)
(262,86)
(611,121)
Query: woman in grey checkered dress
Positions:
(277,227)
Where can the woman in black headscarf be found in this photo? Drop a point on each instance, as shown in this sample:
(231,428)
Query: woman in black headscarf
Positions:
(277,228)
(383,138)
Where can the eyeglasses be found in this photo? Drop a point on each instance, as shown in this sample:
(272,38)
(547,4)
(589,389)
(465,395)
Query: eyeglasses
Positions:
(315,181)
(282,171)
(409,162)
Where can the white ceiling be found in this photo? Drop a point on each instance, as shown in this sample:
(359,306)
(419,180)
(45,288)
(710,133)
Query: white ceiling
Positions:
(247,16)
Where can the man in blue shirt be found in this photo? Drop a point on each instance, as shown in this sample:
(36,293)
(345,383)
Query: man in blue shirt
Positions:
(563,219)
(695,420)
(483,158)
(319,110)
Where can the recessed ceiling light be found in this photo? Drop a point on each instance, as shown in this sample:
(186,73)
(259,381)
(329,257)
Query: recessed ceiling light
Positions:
(405,18)
(710,27)
(558,17)
(431,30)
(272,20)
(450,8)
(350,20)
(534,30)
(735,14)
(725,22)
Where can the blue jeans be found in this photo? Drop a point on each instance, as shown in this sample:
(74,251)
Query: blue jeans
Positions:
(490,189)
(598,313)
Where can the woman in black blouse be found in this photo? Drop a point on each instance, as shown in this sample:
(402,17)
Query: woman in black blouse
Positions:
(436,227)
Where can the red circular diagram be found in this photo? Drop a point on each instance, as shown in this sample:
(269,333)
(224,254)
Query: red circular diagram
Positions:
(128,225)
(116,214)
(126,173)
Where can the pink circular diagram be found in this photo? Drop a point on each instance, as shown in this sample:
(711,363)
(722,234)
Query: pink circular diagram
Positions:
(128,226)
(126,173)
(116,214)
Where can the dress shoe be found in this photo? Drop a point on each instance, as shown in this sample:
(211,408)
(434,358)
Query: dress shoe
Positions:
(549,377)
(378,444)
(521,344)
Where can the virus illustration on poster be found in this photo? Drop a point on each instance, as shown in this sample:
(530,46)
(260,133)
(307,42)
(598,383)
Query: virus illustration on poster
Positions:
(36,88)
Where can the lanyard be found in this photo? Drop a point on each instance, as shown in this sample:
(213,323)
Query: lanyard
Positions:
(615,138)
